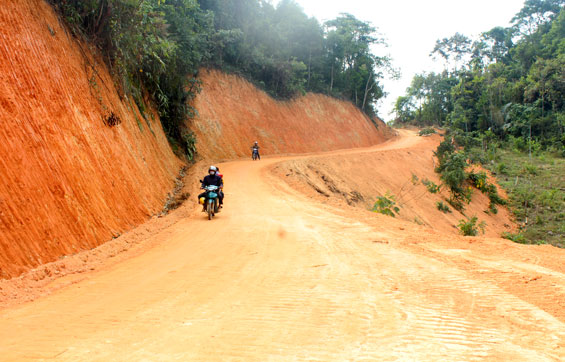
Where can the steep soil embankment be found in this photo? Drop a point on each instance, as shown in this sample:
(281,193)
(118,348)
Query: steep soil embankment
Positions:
(232,113)
(69,182)
(357,179)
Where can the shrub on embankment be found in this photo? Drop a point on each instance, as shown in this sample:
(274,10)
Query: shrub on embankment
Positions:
(534,184)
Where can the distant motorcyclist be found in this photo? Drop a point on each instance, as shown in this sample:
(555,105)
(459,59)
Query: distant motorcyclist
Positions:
(212,179)
(255,151)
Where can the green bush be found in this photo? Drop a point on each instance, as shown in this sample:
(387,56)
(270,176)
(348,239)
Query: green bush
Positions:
(427,131)
(502,168)
(445,148)
(479,180)
(386,205)
(452,172)
(492,209)
(443,207)
(517,238)
(431,186)
(530,169)
(189,139)
(456,203)
(470,227)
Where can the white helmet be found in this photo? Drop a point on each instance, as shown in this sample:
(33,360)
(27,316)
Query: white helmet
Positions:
(213,168)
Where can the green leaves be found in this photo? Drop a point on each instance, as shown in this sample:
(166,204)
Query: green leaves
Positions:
(470,227)
(386,205)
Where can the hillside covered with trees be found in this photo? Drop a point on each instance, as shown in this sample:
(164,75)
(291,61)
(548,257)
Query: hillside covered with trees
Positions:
(501,99)
(158,46)
(508,83)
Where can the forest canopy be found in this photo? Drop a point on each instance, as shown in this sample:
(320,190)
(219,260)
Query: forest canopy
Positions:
(158,46)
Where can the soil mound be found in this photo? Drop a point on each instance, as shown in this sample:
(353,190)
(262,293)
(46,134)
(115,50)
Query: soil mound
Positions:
(232,113)
(79,165)
(356,179)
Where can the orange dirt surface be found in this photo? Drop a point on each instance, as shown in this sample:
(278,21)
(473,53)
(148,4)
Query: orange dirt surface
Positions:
(358,178)
(279,275)
(69,182)
(232,114)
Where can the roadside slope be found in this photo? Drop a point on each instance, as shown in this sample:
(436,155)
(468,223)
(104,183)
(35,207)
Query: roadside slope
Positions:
(232,113)
(356,179)
(69,182)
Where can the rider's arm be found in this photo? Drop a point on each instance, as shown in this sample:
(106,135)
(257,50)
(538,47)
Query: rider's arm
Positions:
(205,182)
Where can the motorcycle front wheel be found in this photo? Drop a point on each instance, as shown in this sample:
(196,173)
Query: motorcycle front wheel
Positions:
(210,212)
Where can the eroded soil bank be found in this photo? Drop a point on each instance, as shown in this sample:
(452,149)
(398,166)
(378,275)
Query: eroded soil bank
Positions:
(69,181)
(232,114)
(356,179)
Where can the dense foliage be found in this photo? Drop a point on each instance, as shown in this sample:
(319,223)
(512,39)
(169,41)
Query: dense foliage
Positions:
(153,47)
(156,47)
(510,82)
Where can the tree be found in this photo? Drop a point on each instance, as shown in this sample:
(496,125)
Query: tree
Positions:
(454,48)
(534,14)
(509,82)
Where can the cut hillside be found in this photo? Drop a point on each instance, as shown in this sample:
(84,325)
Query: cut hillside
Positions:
(70,181)
(356,179)
(232,113)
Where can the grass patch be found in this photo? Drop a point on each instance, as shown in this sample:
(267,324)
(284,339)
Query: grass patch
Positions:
(536,190)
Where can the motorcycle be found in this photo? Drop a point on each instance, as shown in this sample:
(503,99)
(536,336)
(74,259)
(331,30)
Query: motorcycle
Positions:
(211,202)
(255,154)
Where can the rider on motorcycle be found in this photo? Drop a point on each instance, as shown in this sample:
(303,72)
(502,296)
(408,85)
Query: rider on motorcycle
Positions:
(255,148)
(213,179)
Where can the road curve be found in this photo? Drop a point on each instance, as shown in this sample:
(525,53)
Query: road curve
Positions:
(278,277)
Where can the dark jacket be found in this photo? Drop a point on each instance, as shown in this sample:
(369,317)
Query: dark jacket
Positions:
(213,180)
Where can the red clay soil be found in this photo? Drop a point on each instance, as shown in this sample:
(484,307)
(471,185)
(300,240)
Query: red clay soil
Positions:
(232,114)
(69,182)
(356,179)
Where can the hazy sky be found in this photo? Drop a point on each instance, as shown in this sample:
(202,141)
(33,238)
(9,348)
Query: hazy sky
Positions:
(411,28)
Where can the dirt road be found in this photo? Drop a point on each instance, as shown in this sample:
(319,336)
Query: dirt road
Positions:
(278,277)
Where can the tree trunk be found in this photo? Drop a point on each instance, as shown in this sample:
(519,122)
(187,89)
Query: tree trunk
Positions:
(332,79)
(309,67)
(367,89)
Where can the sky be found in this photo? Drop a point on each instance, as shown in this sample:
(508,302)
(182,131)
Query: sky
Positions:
(411,28)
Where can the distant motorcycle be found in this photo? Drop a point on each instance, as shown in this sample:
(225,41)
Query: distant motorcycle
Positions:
(255,154)
(211,202)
